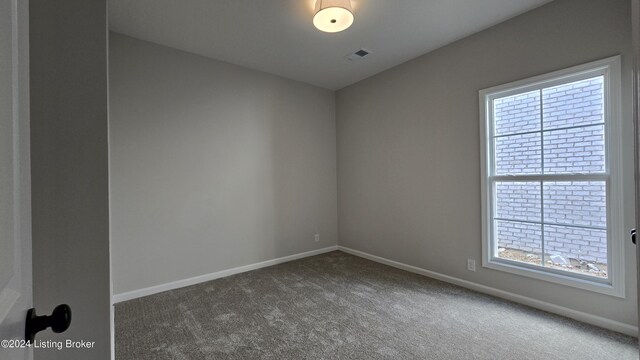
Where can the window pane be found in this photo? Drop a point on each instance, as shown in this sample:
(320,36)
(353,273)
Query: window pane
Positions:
(519,241)
(576,249)
(518,201)
(517,113)
(518,154)
(573,104)
(578,150)
(576,203)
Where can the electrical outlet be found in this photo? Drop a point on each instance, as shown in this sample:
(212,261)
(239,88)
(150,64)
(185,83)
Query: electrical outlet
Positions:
(317,237)
(471,265)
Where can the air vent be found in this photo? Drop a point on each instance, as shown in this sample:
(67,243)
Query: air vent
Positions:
(360,54)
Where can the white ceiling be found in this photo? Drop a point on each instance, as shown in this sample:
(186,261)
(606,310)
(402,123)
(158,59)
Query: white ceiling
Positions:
(278,36)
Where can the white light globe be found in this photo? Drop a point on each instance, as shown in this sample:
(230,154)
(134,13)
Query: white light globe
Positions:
(333,15)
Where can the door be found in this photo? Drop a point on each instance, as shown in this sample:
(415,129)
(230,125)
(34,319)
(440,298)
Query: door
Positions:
(15,212)
(635,24)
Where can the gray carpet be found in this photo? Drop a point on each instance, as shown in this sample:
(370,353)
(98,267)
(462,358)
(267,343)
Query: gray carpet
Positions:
(338,306)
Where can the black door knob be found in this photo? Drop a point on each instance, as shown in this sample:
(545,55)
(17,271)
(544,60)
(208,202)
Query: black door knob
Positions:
(59,321)
(633,236)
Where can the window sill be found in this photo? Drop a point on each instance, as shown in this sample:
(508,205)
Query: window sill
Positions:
(597,285)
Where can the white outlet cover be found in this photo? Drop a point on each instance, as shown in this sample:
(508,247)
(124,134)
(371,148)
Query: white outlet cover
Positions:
(471,265)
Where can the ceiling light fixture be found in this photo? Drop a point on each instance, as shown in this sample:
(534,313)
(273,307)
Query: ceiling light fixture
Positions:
(333,15)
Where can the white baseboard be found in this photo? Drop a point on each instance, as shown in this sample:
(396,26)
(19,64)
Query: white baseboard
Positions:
(216,275)
(542,305)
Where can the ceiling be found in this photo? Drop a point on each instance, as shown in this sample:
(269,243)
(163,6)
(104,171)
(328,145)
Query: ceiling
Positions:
(278,36)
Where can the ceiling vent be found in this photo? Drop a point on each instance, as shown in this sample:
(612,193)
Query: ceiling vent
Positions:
(360,54)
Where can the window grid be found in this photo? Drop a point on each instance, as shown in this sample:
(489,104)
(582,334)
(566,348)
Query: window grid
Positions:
(542,177)
(549,130)
(550,223)
(542,182)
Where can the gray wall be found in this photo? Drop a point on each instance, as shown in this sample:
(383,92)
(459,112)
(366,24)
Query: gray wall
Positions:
(409,151)
(69,170)
(213,166)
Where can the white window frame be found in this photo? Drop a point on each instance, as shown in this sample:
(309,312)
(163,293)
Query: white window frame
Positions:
(610,69)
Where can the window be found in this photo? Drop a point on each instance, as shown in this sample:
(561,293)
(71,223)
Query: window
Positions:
(551,177)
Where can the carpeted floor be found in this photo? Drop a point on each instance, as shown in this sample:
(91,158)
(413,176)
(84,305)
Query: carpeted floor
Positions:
(338,306)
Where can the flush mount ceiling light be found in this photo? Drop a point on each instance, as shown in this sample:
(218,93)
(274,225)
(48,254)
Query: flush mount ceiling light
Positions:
(333,15)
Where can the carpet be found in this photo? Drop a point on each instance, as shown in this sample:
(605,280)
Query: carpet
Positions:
(339,306)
